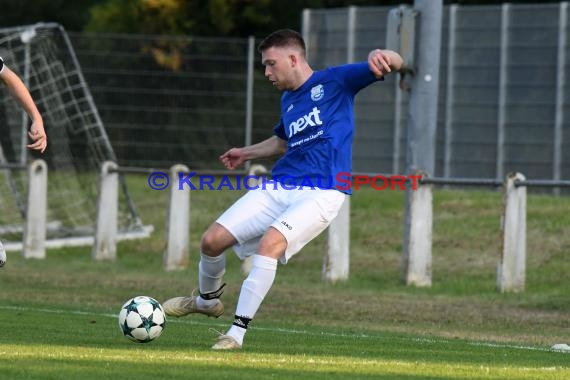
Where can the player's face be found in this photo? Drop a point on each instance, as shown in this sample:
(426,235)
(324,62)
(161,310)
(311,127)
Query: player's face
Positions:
(278,67)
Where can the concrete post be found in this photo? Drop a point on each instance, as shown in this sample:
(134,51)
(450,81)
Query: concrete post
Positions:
(420,229)
(512,264)
(105,244)
(36,214)
(422,126)
(336,262)
(176,254)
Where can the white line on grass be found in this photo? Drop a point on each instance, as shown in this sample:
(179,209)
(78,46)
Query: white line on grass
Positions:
(290,331)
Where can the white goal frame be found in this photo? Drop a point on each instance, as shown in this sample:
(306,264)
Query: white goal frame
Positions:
(43,56)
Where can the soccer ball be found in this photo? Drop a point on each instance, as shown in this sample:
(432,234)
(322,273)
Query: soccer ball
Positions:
(142,319)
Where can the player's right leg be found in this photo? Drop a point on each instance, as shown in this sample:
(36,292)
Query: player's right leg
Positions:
(212,267)
(239,226)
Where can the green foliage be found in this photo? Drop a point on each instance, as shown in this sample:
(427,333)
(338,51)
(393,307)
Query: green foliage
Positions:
(140,16)
(180,17)
(235,18)
(72,14)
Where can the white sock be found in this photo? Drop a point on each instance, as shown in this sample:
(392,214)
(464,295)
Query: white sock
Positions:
(210,273)
(253,291)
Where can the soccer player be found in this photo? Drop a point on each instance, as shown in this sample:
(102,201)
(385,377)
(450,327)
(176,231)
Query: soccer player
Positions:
(275,221)
(36,133)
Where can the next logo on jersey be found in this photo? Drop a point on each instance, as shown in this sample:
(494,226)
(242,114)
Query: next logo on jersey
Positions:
(310,120)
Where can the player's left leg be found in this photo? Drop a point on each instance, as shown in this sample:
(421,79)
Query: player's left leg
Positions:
(254,288)
(2,255)
(309,214)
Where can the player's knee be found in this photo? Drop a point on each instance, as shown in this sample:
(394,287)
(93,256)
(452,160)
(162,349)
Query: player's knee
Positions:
(273,244)
(216,240)
(208,244)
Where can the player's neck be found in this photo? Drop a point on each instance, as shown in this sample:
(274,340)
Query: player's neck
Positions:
(303,76)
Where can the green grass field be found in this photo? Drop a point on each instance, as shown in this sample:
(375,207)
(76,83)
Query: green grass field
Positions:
(58,315)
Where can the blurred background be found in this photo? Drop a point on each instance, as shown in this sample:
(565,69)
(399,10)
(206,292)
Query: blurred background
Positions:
(170,79)
(153,83)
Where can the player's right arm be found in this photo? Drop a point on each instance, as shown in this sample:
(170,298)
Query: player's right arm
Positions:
(20,92)
(234,157)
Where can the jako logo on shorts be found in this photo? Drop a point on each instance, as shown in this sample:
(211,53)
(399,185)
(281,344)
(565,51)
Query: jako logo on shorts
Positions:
(312,120)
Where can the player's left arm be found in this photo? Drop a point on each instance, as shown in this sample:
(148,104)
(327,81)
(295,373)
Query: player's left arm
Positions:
(382,62)
(20,92)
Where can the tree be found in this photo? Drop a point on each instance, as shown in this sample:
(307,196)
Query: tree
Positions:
(235,18)
(72,14)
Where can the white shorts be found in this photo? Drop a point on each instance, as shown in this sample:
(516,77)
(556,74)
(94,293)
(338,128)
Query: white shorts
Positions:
(300,215)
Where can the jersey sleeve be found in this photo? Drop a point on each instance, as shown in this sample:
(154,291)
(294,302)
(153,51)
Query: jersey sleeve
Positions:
(279,130)
(354,76)
(1,64)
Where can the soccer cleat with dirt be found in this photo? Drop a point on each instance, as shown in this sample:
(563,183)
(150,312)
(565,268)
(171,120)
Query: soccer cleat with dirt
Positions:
(226,342)
(181,306)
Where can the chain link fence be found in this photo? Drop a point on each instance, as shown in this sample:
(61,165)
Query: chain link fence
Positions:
(502,100)
(167,100)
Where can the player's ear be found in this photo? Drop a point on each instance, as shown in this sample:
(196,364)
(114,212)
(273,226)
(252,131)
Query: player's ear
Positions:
(293,59)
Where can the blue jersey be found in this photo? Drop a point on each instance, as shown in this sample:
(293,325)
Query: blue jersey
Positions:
(317,121)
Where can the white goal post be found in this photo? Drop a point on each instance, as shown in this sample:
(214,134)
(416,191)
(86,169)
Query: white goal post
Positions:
(42,55)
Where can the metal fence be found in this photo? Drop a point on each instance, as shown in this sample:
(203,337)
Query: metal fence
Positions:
(502,98)
(167,100)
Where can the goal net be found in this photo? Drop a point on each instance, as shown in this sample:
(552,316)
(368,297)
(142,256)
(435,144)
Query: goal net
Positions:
(43,57)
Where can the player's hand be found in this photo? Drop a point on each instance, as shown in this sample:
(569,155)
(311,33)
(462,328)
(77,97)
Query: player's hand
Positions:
(379,62)
(233,158)
(38,136)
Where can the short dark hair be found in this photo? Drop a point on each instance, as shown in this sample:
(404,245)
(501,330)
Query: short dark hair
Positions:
(282,38)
